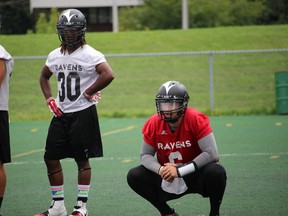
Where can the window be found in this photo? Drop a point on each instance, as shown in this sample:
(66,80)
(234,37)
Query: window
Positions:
(100,15)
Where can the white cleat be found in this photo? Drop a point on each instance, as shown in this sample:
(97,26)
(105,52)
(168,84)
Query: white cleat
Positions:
(79,209)
(54,210)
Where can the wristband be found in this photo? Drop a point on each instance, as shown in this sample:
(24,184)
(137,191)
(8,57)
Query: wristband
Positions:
(186,169)
(160,169)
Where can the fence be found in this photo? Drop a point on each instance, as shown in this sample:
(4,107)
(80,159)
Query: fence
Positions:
(277,62)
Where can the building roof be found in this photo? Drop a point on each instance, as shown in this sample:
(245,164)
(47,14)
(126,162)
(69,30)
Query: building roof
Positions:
(82,3)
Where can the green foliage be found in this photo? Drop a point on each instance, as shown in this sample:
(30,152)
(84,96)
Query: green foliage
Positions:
(166,14)
(47,24)
(153,15)
(206,13)
(53,19)
(130,18)
(245,12)
(162,14)
(16,16)
(276,12)
(41,23)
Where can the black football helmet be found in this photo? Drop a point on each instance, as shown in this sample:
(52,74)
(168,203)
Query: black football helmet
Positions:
(171,101)
(71,27)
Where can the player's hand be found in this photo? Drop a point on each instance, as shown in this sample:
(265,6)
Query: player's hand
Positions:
(94,97)
(51,103)
(169,172)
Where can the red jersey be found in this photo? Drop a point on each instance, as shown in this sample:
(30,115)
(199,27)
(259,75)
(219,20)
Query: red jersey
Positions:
(180,146)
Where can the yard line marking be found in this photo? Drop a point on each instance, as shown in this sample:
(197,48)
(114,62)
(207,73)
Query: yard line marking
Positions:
(119,130)
(138,157)
(253,154)
(104,134)
(27,153)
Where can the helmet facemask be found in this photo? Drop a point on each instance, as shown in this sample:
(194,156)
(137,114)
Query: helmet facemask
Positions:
(170,110)
(70,36)
(71,27)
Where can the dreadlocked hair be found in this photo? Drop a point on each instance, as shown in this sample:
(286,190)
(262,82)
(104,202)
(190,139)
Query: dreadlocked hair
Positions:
(64,47)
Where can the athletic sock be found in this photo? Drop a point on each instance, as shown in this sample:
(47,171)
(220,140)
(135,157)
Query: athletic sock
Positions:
(57,192)
(83,191)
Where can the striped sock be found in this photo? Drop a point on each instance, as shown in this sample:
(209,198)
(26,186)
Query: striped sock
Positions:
(57,192)
(83,191)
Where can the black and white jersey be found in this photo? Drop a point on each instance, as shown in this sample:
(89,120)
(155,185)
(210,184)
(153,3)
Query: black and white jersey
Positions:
(75,72)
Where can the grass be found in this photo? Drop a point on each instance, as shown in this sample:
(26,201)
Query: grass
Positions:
(243,83)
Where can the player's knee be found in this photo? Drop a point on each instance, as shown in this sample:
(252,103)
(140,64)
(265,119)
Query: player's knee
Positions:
(216,173)
(132,176)
(53,164)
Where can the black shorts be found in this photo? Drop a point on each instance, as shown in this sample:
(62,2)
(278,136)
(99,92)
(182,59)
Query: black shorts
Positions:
(5,152)
(74,135)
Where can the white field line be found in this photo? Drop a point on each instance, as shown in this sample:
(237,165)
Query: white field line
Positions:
(132,158)
(104,134)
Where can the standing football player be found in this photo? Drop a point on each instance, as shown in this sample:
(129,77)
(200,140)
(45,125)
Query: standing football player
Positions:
(81,72)
(187,157)
(6,67)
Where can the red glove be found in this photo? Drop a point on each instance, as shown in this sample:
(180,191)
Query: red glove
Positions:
(94,97)
(51,103)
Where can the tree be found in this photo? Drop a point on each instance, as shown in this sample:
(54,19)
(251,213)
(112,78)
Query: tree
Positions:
(46,23)
(130,18)
(159,14)
(246,12)
(276,12)
(41,23)
(162,14)
(15,16)
(53,19)
(207,13)
(166,14)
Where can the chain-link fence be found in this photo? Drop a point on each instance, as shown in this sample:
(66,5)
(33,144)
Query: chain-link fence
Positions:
(219,82)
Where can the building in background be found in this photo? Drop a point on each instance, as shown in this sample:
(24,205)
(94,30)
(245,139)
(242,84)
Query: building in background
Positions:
(101,15)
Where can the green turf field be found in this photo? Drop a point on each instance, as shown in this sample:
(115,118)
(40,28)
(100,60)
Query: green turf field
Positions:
(253,149)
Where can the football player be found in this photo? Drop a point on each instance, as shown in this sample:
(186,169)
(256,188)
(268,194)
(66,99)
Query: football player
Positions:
(186,159)
(6,67)
(81,72)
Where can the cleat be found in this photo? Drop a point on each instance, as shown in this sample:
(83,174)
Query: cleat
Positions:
(54,211)
(79,209)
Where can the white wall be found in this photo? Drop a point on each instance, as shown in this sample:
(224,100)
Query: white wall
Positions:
(81,3)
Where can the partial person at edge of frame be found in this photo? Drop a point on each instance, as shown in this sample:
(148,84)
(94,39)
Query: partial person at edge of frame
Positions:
(6,68)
